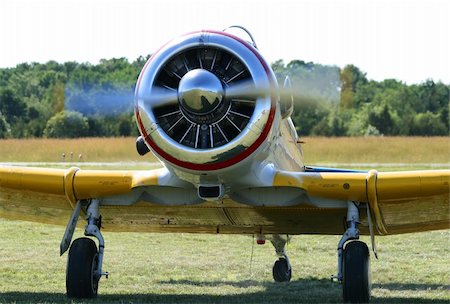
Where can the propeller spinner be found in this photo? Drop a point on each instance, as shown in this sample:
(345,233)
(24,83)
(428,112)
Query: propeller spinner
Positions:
(200,92)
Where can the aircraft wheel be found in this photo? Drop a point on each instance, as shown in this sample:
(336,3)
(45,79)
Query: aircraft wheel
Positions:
(81,281)
(356,283)
(281,271)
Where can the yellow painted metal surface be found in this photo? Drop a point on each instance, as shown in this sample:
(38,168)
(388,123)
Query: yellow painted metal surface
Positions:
(33,179)
(224,217)
(372,199)
(34,206)
(103,183)
(69,176)
(414,201)
(76,184)
(400,202)
(408,184)
(342,186)
(49,195)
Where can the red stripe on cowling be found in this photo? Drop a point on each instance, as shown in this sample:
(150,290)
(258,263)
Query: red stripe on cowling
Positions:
(228,162)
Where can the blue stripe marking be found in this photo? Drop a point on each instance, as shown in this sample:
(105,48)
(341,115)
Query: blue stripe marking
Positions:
(335,170)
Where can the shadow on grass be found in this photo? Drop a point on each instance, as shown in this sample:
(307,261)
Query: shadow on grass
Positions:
(299,291)
(412,287)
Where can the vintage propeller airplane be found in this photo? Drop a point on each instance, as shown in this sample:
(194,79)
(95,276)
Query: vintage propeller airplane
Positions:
(209,107)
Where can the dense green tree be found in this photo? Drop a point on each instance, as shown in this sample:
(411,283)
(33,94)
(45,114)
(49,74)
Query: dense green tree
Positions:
(331,101)
(95,127)
(428,124)
(381,119)
(308,115)
(11,105)
(67,124)
(5,131)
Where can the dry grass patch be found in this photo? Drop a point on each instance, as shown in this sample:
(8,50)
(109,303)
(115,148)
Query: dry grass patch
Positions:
(316,150)
(51,150)
(377,149)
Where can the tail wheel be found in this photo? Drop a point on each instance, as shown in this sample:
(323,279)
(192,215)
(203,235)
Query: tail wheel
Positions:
(281,271)
(356,283)
(81,280)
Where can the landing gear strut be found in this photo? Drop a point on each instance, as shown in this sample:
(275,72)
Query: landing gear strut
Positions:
(84,263)
(281,270)
(353,261)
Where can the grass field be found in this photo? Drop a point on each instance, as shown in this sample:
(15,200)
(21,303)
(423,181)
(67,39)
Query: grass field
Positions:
(409,150)
(186,268)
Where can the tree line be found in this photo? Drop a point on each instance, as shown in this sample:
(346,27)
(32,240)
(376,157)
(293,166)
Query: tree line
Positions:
(84,100)
(349,104)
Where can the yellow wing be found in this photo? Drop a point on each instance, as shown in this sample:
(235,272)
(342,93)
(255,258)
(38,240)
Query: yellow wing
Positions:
(400,202)
(155,201)
(49,195)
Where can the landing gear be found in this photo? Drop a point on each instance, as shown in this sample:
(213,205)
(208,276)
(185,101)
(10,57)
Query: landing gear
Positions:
(81,279)
(353,261)
(356,277)
(84,263)
(281,270)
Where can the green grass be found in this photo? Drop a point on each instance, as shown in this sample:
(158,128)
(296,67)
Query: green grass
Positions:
(190,268)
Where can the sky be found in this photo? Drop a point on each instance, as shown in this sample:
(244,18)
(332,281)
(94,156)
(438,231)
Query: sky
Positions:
(403,39)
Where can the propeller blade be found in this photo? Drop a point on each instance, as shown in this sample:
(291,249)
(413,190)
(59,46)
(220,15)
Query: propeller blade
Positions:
(160,96)
(247,89)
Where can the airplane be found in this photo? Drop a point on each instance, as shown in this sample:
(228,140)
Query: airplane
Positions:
(208,105)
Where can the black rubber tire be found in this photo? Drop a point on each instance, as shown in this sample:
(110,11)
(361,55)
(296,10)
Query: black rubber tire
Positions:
(281,271)
(82,261)
(356,284)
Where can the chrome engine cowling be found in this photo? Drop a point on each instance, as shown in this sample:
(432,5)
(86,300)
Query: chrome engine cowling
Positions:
(185,106)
